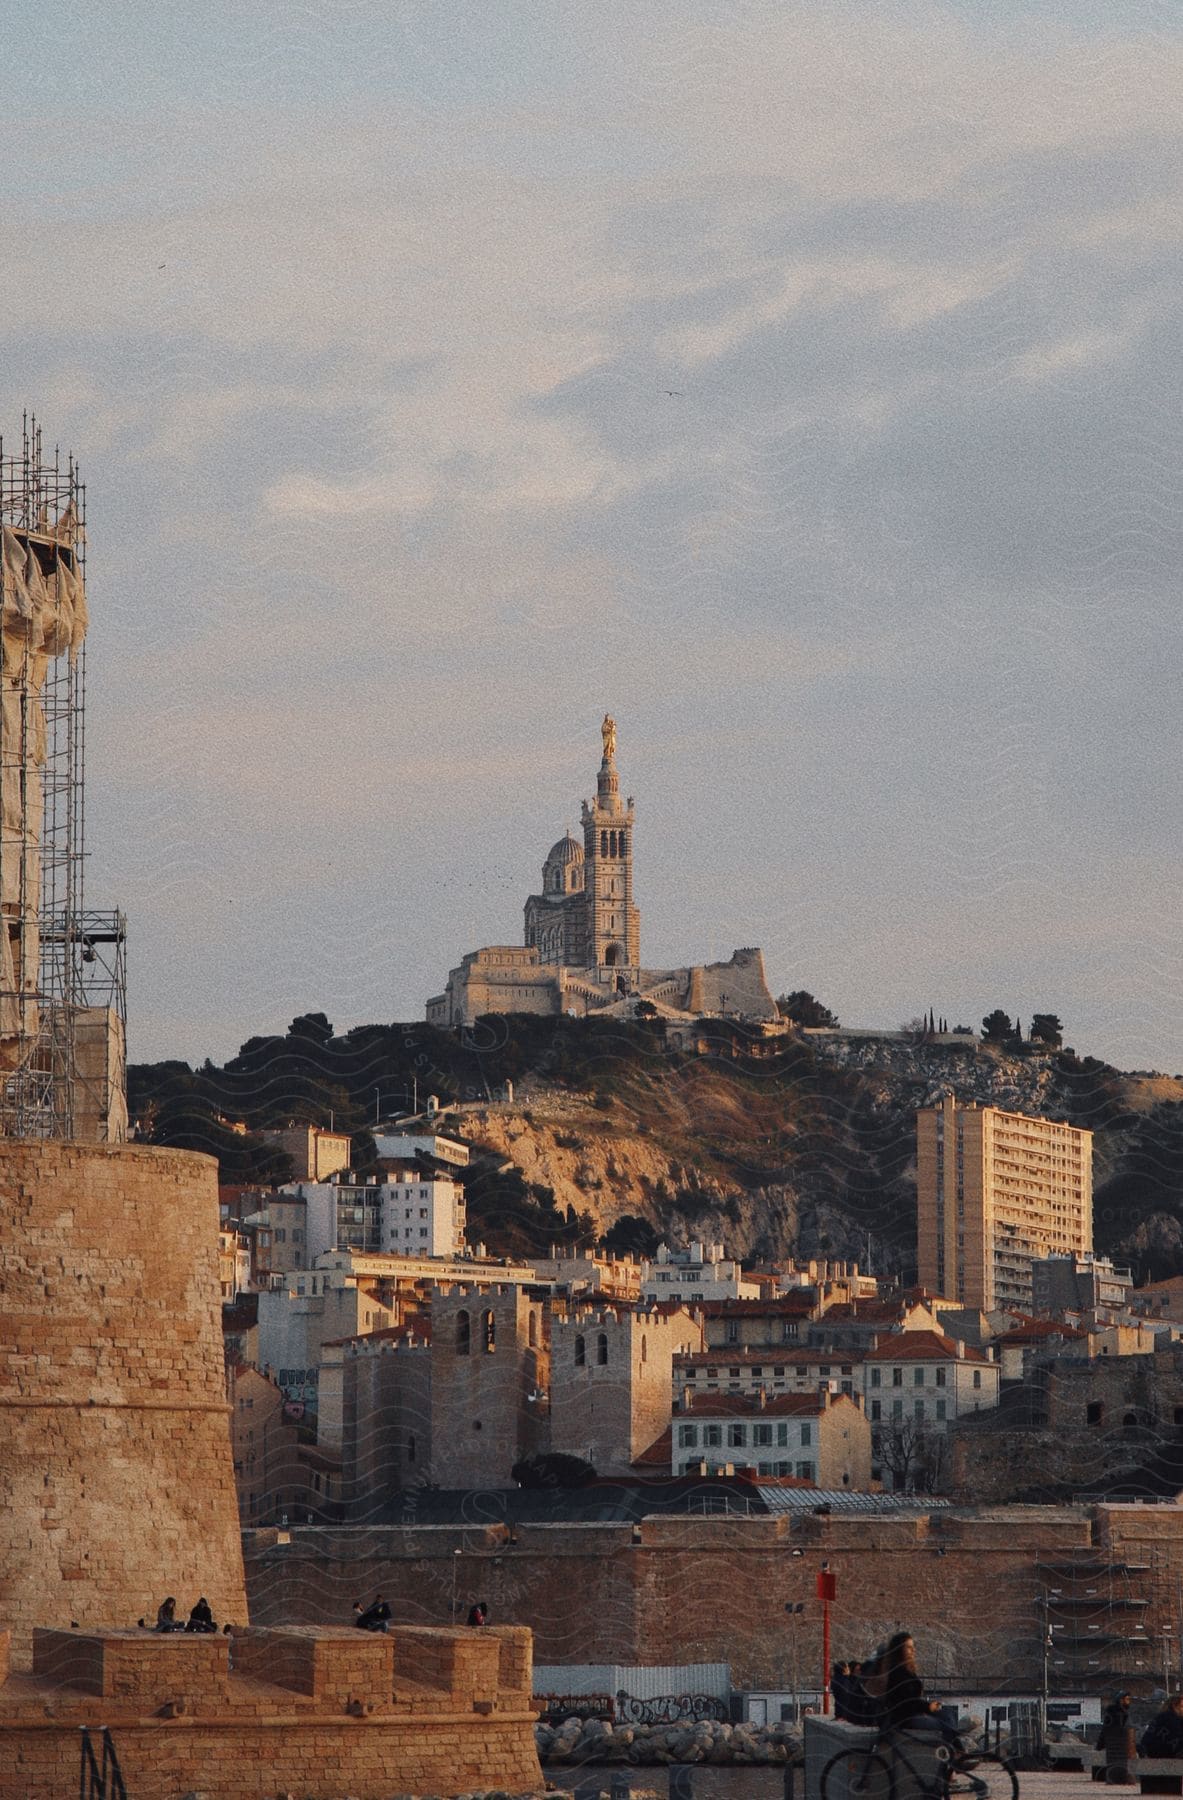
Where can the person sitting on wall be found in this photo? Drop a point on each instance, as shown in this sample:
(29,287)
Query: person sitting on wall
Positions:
(1164,1734)
(166,1616)
(479,1614)
(374,1617)
(201,1618)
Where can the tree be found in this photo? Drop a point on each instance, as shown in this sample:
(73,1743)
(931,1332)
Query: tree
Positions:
(1047,1029)
(997,1027)
(553,1469)
(314,1027)
(801,1007)
(912,1454)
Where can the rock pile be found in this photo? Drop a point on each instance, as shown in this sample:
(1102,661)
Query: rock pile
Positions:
(679,1741)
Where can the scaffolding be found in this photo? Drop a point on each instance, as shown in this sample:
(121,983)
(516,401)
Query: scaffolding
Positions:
(56,960)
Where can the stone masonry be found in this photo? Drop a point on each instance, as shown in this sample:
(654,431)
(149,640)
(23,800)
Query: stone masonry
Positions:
(319,1712)
(970,1583)
(116,1482)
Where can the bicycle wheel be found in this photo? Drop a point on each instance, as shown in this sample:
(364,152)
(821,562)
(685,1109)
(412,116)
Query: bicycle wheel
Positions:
(984,1777)
(856,1775)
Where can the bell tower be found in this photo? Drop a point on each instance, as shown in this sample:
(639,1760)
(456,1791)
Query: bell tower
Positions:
(613,921)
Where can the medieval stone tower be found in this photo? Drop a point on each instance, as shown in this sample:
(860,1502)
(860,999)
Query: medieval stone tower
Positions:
(116,1472)
(116,1478)
(611,1381)
(490,1363)
(613,922)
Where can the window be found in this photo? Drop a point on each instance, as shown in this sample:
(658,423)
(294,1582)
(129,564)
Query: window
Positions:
(733,1374)
(939,1378)
(602,1349)
(876,1377)
(918,1410)
(806,1435)
(712,1436)
(580,1352)
(644,1348)
(918,1377)
(532,1330)
(489,1332)
(876,1410)
(687,1436)
(897,1378)
(977,1378)
(941,1409)
(897,1409)
(761,1434)
(805,1471)
(1094,1413)
(733,1331)
(736,1437)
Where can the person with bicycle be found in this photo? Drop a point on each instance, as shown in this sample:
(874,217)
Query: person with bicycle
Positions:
(917,1756)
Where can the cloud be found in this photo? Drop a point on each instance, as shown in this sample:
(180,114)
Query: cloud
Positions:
(799,384)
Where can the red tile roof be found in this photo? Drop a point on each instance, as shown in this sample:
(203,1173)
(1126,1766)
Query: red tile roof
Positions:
(1038,1331)
(799,1306)
(659,1455)
(921,1346)
(730,1353)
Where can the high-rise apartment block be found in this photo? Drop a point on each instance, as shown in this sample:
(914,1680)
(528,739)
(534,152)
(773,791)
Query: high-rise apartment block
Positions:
(996,1191)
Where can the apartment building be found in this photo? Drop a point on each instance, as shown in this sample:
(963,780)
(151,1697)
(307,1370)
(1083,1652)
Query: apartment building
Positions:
(700,1272)
(820,1437)
(996,1192)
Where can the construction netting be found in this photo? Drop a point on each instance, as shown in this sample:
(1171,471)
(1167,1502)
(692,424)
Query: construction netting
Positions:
(42,617)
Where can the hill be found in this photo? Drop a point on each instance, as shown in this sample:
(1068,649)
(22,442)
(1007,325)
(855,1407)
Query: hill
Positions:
(796,1144)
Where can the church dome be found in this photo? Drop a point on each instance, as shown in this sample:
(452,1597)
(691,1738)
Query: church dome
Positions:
(567,850)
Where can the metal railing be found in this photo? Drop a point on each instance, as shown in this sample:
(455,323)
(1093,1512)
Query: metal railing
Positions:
(100,1778)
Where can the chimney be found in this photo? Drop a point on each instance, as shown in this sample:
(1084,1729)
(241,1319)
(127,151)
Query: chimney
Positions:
(961,1349)
(761,1396)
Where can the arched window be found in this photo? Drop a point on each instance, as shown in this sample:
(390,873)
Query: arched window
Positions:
(580,1352)
(533,1330)
(602,1347)
(624,843)
(603,843)
(489,1330)
(463,1334)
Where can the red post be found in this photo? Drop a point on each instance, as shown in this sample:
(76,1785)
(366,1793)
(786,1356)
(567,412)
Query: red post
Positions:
(826,1588)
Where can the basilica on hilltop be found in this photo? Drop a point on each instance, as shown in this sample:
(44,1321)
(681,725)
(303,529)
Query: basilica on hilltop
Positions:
(581,949)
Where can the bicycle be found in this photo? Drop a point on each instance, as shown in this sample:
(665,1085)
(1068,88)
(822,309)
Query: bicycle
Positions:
(874,1773)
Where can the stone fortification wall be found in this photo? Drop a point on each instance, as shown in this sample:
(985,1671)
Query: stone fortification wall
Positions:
(116,1478)
(325,1713)
(683,1590)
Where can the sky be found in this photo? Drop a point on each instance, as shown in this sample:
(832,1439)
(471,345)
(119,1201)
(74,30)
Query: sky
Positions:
(800,383)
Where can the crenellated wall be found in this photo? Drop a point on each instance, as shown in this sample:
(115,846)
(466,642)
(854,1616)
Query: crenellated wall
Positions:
(320,1712)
